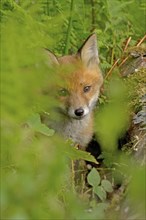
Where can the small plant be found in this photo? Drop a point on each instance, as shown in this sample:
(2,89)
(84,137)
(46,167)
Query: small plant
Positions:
(100,186)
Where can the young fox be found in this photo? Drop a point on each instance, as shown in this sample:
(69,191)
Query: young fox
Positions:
(80,95)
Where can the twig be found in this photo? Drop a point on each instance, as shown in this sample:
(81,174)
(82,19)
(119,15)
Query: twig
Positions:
(123,61)
(137,45)
(141,41)
(126,58)
(111,69)
(127,43)
(125,48)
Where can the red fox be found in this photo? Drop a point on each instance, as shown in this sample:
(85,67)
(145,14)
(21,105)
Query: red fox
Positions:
(80,95)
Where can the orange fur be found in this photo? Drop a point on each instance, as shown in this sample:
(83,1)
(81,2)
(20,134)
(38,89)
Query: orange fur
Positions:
(82,80)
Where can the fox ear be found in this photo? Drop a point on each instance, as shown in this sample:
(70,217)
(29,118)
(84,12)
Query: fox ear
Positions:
(89,52)
(52,59)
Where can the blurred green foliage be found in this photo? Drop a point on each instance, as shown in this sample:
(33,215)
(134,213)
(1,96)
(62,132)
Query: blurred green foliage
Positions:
(35,168)
(112,119)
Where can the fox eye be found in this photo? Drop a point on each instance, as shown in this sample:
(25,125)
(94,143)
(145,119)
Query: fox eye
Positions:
(63,92)
(87,88)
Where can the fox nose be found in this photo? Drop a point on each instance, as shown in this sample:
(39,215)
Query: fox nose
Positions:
(79,112)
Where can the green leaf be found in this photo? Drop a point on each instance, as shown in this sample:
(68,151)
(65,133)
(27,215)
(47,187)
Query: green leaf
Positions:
(100,192)
(76,154)
(93,178)
(107,185)
(35,123)
(102,206)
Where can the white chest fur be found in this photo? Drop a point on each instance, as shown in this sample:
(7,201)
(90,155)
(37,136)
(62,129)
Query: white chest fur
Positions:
(75,129)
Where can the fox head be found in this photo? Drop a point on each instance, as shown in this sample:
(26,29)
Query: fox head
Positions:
(82,84)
